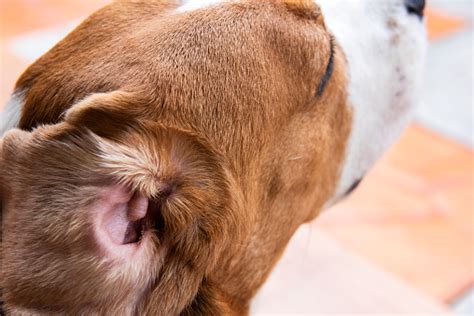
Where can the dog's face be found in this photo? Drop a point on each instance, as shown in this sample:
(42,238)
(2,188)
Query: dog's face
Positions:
(385,45)
(182,148)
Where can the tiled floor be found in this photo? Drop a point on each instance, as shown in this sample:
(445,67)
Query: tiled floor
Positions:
(411,221)
(414,216)
(447,106)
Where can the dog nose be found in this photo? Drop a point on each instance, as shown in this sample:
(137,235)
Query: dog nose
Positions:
(354,186)
(415,7)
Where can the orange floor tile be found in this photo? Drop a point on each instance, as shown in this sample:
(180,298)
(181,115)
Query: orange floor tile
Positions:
(414,214)
(19,16)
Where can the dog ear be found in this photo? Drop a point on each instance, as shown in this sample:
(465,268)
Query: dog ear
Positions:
(107,114)
(13,139)
(10,147)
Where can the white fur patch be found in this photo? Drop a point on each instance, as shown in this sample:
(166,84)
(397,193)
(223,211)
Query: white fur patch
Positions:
(10,117)
(385,48)
(191,5)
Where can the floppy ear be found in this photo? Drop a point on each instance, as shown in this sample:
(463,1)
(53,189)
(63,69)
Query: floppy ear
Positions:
(107,114)
(10,147)
(2,181)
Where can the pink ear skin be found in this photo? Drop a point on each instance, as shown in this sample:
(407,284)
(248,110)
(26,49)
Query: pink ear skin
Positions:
(118,221)
(137,207)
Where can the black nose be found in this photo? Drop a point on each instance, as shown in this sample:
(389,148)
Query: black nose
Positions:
(415,7)
(353,186)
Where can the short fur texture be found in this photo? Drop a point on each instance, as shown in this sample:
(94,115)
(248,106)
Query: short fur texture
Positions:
(213,113)
(210,114)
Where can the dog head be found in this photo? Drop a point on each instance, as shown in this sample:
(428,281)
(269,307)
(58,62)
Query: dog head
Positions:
(168,153)
(385,46)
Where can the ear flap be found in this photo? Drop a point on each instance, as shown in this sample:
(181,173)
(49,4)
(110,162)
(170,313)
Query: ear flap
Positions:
(107,114)
(10,145)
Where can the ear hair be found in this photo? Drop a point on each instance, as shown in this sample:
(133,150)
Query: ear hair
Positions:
(9,149)
(10,143)
(107,114)
(190,182)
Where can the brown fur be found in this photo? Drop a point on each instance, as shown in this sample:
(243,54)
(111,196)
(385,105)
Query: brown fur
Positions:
(212,114)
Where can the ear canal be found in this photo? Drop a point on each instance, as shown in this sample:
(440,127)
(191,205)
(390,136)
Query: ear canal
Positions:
(106,114)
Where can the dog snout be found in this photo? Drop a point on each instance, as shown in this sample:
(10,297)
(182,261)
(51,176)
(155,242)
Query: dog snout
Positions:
(354,186)
(416,7)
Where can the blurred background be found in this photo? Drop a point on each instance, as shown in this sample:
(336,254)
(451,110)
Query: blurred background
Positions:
(404,242)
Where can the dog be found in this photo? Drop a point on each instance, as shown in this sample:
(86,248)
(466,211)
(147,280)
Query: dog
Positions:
(158,160)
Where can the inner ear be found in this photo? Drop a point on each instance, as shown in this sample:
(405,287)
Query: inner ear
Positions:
(118,218)
(107,114)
